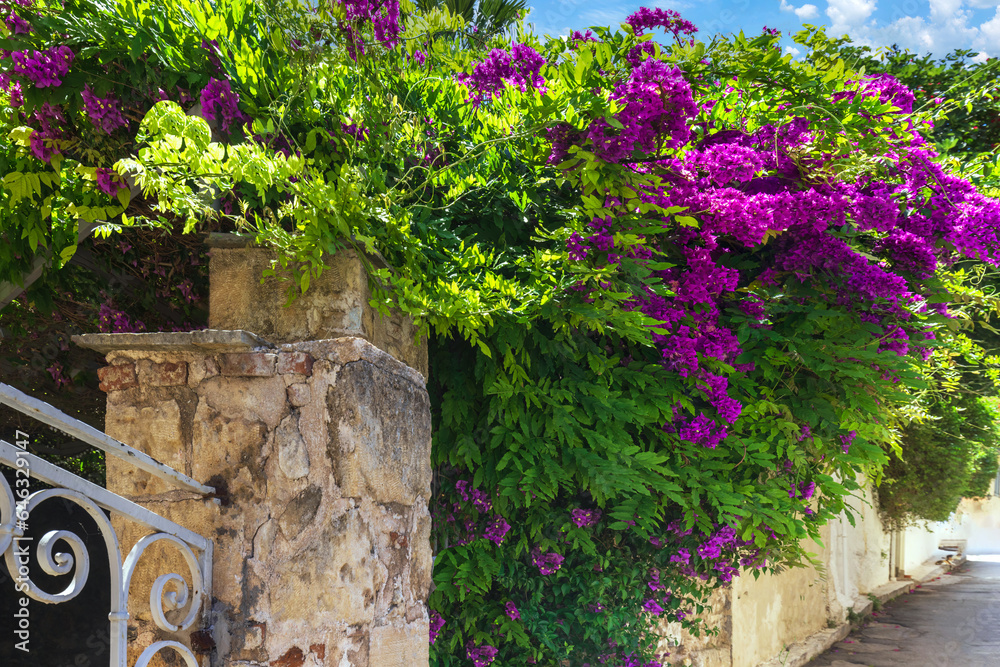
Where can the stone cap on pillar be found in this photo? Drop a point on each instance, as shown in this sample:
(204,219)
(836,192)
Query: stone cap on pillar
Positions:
(238,353)
(205,340)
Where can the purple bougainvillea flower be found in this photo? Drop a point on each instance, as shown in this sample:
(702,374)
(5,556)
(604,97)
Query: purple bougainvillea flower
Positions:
(220,103)
(585,518)
(480,655)
(653,607)
(103,112)
(43,68)
(547,563)
(497,530)
(109,182)
(520,67)
(436,623)
(668,19)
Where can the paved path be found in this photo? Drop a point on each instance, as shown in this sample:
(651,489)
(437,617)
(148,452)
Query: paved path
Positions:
(953,621)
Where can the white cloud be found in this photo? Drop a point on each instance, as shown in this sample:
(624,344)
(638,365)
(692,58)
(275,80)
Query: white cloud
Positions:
(847,14)
(945,8)
(948,25)
(794,51)
(804,12)
(990,31)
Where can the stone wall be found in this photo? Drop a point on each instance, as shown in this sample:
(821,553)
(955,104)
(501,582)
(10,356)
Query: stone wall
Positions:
(706,650)
(321,452)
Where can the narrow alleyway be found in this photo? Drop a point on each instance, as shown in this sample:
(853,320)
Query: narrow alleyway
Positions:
(953,621)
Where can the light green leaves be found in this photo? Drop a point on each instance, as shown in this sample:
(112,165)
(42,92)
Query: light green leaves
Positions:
(21,185)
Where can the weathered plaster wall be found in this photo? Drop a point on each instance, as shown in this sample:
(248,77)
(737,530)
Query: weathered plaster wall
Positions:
(857,556)
(978,521)
(759,618)
(755,619)
(776,610)
(322,552)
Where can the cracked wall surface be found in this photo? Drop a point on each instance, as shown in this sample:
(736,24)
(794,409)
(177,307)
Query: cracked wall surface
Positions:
(322,452)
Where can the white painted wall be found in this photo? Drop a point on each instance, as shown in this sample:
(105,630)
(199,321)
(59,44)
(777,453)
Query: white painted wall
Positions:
(978,521)
(773,612)
(857,556)
(921,543)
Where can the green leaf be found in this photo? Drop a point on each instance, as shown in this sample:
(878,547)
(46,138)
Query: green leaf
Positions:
(66,254)
(124,196)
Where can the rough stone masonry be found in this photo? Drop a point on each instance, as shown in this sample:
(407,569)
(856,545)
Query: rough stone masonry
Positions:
(320,451)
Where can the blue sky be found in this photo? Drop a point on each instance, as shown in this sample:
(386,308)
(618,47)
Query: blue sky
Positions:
(937,26)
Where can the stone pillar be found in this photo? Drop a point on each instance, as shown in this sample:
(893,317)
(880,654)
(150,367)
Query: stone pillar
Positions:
(336,304)
(321,453)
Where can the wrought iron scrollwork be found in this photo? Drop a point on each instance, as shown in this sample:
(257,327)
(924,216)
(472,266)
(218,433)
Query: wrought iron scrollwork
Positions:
(170,592)
(160,600)
(58,563)
(189,659)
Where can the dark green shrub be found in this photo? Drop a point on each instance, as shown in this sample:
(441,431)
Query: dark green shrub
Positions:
(951,455)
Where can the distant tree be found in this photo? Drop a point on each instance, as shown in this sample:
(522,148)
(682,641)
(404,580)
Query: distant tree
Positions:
(967,92)
(952,455)
(488,16)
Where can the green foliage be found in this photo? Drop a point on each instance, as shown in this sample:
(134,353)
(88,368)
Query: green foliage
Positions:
(549,392)
(853,617)
(949,448)
(487,16)
(960,94)
(950,455)
(138,279)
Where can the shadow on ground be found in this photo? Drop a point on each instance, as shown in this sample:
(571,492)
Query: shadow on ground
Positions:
(952,621)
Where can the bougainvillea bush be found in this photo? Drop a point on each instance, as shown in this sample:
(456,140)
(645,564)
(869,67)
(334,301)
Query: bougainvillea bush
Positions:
(677,291)
(950,426)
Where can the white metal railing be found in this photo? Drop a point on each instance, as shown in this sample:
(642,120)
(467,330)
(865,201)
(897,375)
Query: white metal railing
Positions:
(15,511)
(47,414)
